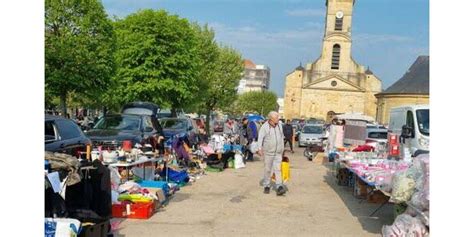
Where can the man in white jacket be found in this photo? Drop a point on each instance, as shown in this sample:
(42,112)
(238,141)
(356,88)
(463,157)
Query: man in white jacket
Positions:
(270,147)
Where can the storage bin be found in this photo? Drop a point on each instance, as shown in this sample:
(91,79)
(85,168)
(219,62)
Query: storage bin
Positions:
(133,210)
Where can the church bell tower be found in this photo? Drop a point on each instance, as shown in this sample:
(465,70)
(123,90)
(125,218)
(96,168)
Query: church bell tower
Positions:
(337,42)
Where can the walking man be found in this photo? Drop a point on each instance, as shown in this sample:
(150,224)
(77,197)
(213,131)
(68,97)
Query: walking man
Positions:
(270,147)
(288,132)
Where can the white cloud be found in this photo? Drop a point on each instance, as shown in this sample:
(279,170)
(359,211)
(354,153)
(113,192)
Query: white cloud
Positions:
(259,37)
(306,12)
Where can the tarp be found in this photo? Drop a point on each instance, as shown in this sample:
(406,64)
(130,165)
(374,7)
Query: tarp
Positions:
(355,117)
(255,118)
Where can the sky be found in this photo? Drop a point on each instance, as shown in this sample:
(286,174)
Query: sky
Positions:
(387,35)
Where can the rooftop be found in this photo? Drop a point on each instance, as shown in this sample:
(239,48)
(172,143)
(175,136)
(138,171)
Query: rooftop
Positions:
(415,81)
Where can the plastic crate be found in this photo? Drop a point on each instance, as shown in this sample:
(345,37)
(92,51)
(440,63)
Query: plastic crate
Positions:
(155,184)
(133,210)
(99,229)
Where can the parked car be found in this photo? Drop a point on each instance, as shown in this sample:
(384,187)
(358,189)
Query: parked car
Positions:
(376,134)
(315,121)
(218,126)
(111,130)
(174,126)
(138,123)
(297,124)
(64,136)
(310,134)
(166,113)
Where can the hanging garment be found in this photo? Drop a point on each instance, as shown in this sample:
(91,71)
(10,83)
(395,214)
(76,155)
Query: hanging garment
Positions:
(93,192)
(63,162)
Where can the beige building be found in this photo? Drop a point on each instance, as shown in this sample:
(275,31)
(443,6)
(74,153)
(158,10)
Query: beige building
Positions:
(412,88)
(255,78)
(334,83)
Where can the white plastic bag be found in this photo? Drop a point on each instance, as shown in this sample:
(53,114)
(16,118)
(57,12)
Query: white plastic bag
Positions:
(403,187)
(239,161)
(65,227)
(114,178)
(405,225)
(254,147)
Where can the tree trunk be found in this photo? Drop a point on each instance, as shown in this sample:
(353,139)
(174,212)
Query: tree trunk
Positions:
(173,112)
(104,110)
(208,122)
(62,104)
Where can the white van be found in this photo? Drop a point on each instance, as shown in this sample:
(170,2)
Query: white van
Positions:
(412,124)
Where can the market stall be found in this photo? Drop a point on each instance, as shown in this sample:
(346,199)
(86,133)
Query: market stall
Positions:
(381,180)
(377,175)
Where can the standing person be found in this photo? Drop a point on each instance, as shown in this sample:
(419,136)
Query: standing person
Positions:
(202,135)
(229,127)
(288,132)
(251,133)
(270,147)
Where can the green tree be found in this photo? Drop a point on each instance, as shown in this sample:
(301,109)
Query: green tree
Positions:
(157,59)
(261,102)
(79,46)
(219,74)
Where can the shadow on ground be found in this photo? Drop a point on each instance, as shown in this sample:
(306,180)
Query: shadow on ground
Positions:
(360,208)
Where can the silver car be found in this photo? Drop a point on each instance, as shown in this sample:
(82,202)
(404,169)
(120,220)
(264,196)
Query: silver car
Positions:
(310,134)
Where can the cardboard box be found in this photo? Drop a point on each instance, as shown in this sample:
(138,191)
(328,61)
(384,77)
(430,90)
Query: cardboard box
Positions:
(360,188)
(377,197)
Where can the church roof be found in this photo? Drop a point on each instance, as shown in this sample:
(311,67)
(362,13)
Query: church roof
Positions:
(299,68)
(368,72)
(415,81)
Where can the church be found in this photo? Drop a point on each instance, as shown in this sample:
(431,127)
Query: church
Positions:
(334,83)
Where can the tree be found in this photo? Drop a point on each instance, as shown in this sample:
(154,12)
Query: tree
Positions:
(156,54)
(261,102)
(79,46)
(219,74)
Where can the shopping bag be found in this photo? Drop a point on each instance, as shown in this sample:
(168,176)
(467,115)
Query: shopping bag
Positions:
(238,161)
(253,147)
(285,171)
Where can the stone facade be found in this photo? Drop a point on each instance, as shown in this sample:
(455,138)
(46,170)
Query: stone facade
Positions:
(334,83)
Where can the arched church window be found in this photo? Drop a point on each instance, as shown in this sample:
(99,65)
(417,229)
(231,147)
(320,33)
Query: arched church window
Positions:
(336,52)
(338,25)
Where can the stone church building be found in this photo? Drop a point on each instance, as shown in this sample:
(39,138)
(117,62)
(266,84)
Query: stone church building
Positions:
(334,83)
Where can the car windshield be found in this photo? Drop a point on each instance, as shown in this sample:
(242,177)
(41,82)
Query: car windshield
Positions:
(378,135)
(119,122)
(423,118)
(173,123)
(313,129)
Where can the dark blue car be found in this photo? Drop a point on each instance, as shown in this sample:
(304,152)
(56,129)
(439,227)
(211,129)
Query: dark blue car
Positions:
(64,136)
(175,126)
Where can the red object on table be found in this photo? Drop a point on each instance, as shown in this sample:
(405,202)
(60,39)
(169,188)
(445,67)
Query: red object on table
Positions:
(393,139)
(127,145)
(363,148)
(137,210)
(394,150)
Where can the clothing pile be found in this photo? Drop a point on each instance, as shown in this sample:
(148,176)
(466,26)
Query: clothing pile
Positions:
(411,187)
